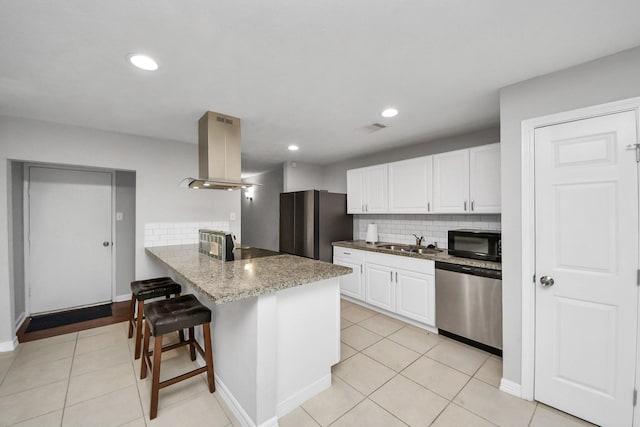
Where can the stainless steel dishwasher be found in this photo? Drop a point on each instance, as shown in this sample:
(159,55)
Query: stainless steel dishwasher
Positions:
(469,305)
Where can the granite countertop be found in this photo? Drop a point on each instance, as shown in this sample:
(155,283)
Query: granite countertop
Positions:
(441,256)
(224,282)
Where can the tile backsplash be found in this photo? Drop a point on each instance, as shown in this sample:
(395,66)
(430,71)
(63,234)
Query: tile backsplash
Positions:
(178,233)
(400,228)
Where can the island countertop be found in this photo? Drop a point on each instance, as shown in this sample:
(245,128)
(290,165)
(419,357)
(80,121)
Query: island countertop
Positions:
(224,282)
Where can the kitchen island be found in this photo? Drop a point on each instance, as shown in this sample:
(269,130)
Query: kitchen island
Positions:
(276,326)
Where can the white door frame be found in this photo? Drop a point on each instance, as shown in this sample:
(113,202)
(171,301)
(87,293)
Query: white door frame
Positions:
(528,231)
(26,225)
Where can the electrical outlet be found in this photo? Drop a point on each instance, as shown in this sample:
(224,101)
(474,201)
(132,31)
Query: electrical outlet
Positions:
(232,216)
(119,216)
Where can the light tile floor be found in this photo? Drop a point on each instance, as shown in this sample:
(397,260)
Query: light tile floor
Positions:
(89,378)
(391,374)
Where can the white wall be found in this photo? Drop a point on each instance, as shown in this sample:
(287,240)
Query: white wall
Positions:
(159,165)
(261,215)
(300,176)
(604,80)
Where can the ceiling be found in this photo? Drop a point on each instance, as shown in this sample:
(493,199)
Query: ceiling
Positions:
(315,74)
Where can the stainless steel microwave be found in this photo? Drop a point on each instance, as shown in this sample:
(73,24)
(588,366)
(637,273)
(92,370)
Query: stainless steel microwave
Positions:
(477,244)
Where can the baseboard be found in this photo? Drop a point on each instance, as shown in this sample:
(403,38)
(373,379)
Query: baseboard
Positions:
(120,298)
(292,402)
(235,407)
(8,345)
(510,387)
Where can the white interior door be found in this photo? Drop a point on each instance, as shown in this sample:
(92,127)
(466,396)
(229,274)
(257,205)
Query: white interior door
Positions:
(69,238)
(586,223)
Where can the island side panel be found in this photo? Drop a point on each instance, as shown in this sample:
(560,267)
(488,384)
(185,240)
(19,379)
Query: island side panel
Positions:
(308,341)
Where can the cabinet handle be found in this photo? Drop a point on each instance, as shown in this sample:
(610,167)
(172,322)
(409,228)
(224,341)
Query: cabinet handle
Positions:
(465,205)
(472,203)
(428,206)
(391,273)
(396,277)
(347,253)
(360,268)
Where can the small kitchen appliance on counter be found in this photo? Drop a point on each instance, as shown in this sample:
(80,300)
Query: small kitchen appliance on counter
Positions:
(217,244)
(476,244)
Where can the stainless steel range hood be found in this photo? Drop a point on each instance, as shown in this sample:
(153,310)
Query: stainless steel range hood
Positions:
(218,154)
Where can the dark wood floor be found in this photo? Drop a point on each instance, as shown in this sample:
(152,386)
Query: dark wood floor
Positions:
(119,313)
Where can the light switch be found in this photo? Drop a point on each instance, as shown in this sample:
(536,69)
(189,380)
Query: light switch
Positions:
(232,216)
(119,216)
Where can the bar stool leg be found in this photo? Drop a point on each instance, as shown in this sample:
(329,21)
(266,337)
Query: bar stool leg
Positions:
(192,346)
(139,328)
(145,355)
(155,377)
(208,354)
(132,308)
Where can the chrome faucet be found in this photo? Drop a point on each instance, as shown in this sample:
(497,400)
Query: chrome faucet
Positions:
(419,239)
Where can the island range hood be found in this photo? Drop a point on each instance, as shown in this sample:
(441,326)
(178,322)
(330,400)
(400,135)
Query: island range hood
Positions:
(218,154)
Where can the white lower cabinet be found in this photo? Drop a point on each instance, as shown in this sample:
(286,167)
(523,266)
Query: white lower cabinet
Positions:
(380,288)
(351,285)
(401,285)
(415,296)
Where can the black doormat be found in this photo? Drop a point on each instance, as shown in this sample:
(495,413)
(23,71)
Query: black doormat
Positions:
(68,317)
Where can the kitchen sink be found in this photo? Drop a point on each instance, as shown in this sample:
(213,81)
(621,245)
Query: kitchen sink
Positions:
(411,249)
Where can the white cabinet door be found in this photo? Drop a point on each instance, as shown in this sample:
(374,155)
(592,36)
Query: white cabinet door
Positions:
(380,288)
(415,296)
(410,185)
(355,190)
(351,284)
(451,182)
(484,179)
(376,182)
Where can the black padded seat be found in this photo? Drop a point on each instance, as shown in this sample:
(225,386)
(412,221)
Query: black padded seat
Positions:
(142,290)
(171,315)
(154,288)
(174,314)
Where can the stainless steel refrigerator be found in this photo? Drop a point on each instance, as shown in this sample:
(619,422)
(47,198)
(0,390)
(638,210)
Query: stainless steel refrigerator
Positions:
(311,220)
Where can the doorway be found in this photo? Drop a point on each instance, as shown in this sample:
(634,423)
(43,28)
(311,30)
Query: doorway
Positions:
(580,314)
(70,238)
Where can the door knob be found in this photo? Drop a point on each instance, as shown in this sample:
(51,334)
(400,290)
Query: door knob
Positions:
(546,281)
(105,244)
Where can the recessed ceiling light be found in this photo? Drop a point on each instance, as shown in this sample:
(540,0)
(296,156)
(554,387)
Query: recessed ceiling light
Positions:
(293,148)
(143,62)
(390,112)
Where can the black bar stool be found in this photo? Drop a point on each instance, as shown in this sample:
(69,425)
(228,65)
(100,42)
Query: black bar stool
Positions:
(171,315)
(142,290)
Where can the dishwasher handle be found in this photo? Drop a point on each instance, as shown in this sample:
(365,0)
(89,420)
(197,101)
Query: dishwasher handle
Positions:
(466,269)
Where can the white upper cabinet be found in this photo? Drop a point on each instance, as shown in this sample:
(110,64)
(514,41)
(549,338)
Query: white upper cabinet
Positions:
(484,179)
(355,190)
(451,182)
(461,181)
(410,185)
(467,181)
(367,190)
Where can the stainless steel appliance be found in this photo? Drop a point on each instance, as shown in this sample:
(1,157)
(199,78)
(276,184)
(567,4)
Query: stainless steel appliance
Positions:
(469,305)
(217,244)
(311,220)
(477,244)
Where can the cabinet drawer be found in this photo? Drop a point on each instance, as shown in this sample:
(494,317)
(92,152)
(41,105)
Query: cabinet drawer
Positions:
(425,266)
(351,254)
